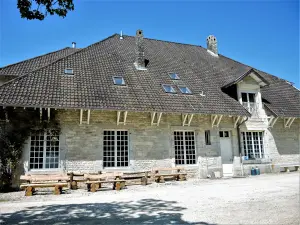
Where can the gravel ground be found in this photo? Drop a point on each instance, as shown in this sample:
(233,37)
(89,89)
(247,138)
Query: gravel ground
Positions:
(264,199)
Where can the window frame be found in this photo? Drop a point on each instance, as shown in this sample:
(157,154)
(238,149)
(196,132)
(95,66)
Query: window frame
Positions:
(172,86)
(207,137)
(260,144)
(115,149)
(223,132)
(45,135)
(71,73)
(184,147)
(250,106)
(182,86)
(118,77)
(176,78)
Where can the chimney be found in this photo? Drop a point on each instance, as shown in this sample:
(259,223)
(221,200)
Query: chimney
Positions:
(139,51)
(73,44)
(212,44)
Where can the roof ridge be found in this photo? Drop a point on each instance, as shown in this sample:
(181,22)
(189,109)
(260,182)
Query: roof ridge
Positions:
(33,58)
(173,42)
(55,61)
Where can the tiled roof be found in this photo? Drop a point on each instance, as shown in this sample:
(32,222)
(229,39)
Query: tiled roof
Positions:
(35,63)
(92,85)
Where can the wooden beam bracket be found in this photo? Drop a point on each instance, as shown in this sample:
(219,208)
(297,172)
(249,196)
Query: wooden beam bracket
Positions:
(155,118)
(288,122)
(235,121)
(215,120)
(121,117)
(85,116)
(187,119)
(272,120)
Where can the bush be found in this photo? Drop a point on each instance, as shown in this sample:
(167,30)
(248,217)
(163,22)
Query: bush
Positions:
(15,128)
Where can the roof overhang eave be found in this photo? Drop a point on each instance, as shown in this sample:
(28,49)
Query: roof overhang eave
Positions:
(256,76)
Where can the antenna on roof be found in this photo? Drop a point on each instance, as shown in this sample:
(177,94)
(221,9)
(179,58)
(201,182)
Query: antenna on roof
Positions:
(121,35)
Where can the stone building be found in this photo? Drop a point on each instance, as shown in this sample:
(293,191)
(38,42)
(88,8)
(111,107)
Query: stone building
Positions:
(133,103)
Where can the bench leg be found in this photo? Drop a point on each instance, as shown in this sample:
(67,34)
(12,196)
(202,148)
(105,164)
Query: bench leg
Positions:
(88,187)
(57,190)
(157,179)
(144,180)
(297,168)
(117,185)
(182,177)
(28,191)
(161,179)
(286,169)
(122,185)
(93,187)
(74,185)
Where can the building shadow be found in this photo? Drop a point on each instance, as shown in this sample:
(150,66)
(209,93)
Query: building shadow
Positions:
(145,211)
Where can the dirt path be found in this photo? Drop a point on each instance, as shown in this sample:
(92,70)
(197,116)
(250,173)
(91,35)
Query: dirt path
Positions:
(265,199)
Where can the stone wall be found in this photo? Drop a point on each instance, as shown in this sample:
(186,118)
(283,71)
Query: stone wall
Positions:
(81,146)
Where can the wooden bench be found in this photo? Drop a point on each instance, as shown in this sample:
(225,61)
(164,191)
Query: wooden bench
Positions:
(288,166)
(140,175)
(177,173)
(94,181)
(58,181)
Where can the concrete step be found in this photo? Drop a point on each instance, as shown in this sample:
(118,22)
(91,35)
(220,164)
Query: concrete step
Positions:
(227,170)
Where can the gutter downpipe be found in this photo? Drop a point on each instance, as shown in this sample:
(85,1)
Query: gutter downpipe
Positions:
(239,143)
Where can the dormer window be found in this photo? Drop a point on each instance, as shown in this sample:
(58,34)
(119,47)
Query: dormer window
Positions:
(184,90)
(69,71)
(248,101)
(169,88)
(118,80)
(174,76)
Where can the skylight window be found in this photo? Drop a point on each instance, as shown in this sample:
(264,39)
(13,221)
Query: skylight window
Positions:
(119,80)
(174,76)
(184,90)
(169,88)
(69,71)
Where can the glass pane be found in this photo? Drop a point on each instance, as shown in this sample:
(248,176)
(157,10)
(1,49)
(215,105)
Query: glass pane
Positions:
(226,134)
(185,90)
(221,133)
(68,71)
(244,97)
(168,89)
(174,76)
(251,97)
(119,81)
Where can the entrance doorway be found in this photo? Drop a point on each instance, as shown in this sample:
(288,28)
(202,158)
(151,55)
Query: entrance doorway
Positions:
(226,152)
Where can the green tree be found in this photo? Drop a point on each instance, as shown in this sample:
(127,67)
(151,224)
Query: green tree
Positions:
(39,9)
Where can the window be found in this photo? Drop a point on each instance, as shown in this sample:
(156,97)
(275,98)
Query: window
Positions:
(169,88)
(69,71)
(115,148)
(248,100)
(184,143)
(207,137)
(119,81)
(174,76)
(184,90)
(253,144)
(224,134)
(44,150)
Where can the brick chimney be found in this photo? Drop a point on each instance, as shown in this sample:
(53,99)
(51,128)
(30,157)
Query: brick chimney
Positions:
(139,51)
(212,44)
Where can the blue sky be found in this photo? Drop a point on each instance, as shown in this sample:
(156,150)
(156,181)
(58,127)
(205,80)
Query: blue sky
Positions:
(264,35)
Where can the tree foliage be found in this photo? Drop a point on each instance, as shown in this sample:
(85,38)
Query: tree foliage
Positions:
(39,9)
(13,134)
